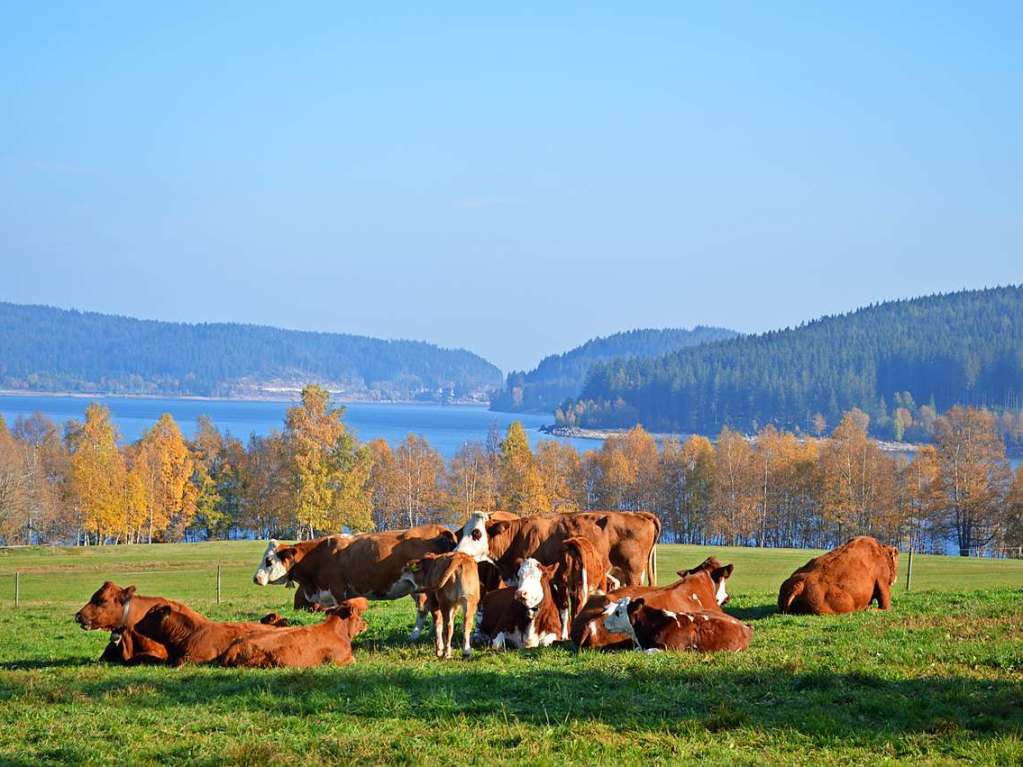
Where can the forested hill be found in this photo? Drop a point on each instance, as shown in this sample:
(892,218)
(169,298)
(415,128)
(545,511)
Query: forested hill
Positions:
(47,349)
(561,376)
(917,355)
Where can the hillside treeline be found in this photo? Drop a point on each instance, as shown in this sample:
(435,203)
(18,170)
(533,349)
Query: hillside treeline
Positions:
(47,349)
(561,376)
(313,477)
(888,360)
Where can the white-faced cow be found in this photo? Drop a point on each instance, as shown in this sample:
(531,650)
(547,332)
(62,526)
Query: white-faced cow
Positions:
(627,537)
(654,629)
(332,569)
(523,615)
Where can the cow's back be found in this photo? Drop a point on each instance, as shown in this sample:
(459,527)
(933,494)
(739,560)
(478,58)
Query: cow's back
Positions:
(840,581)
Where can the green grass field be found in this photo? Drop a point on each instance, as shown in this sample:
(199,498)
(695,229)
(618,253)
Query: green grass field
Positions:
(939,679)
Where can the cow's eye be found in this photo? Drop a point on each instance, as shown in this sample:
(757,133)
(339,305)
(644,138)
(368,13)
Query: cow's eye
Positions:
(268,561)
(476,535)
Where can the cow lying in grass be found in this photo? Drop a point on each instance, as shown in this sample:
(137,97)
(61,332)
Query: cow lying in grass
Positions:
(651,628)
(451,581)
(701,588)
(302,646)
(193,638)
(328,570)
(117,610)
(842,581)
(583,570)
(522,615)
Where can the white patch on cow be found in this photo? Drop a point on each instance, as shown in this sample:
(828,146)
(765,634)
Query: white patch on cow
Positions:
(498,642)
(548,639)
(530,590)
(564,623)
(705,617)
(586,586)
(271,569)
(722,595)
(616,620)
(613,582)
(474,540)
(696,599)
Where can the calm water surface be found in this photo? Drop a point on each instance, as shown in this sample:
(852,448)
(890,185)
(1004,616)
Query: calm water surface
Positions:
(446,427)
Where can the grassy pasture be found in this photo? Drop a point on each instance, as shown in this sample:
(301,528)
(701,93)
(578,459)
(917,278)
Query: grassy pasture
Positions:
(939,679)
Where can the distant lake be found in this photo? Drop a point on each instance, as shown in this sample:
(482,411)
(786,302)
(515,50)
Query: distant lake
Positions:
(446,427)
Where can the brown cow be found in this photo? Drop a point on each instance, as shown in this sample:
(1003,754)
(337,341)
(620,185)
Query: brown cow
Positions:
(653,629)
(328,570)
(117,610)
(583,569)
(523,615)
(131,648)
(701,588)
(302,646)
(452,580)
(192,638)
(842,581)
(629,538)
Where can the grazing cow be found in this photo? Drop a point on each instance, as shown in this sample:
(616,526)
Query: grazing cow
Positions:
(451,580)
(192,638)
(302,646)
(522,615)
(701,588)
(628,537)
(583,569)
(328,570)
(842,581)
(117,610)
(654,629)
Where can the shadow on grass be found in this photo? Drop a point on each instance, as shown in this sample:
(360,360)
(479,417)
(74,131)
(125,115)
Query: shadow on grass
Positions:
(825,705)
(37,663)
(751,613)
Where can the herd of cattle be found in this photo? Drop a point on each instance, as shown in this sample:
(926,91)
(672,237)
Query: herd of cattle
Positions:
(520,582)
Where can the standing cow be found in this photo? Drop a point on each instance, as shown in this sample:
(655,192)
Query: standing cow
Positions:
(628,537)
(329,570)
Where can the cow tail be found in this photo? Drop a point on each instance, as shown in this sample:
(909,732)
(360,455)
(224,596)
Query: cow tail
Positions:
(785,600)
(448,573)
(651,564)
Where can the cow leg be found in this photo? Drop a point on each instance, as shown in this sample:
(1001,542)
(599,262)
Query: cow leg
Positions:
(469,615)
(883,596)
(438,632)
(420,601)
(449,627)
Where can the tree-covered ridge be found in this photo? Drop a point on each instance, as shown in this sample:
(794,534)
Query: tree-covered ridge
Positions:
(900,361)
(48,349)
(561,376)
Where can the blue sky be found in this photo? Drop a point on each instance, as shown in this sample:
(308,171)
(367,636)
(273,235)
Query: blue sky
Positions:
(515,182)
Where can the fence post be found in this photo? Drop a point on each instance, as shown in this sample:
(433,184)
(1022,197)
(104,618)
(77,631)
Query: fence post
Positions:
(909,570)
(218,584)
(17,589)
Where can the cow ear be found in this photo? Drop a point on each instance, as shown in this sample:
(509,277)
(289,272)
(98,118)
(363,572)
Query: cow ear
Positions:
(286,553)
(496,528)
(722,573)
(127,594)
(602,523)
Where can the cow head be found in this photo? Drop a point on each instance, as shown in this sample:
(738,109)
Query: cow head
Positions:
(414,576)
(275,565)
(618,617)
(107,609)
(893,563)
(483,539)
(718,573)
(533,583)
(350,612)
(151,624)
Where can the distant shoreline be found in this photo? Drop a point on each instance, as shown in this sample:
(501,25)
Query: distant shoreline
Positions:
(200,398)
(575,432)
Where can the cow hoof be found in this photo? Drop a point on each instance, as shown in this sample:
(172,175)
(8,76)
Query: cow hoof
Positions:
(466,654)
(415,635)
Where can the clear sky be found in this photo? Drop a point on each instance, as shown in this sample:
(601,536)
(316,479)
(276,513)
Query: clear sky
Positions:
(513,183)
